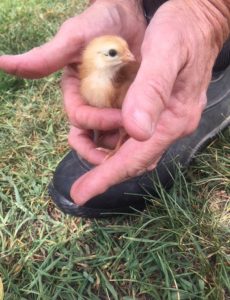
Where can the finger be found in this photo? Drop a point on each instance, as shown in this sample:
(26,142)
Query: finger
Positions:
(149,94)
(82,115)
(98,180)
(114,170)
(46,59)
(82,142)
(145,155)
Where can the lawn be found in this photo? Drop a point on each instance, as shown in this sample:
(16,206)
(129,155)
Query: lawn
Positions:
(178,248)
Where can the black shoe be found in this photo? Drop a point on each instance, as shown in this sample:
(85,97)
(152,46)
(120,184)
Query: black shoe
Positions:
(123,197)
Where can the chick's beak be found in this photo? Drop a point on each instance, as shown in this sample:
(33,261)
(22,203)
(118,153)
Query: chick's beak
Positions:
(128,57)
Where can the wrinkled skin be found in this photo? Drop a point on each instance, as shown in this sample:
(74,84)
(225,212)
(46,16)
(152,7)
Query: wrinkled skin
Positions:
(164,102)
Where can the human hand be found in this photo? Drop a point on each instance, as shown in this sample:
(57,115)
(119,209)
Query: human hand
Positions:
(118,17)
(166,99)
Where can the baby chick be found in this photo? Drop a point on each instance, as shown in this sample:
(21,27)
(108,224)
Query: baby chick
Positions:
(108,68)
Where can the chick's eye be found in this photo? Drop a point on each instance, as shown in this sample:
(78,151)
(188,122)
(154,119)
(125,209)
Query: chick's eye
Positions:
(112,52)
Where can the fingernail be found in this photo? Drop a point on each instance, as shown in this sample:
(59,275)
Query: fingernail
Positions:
(144,121)
(78,198)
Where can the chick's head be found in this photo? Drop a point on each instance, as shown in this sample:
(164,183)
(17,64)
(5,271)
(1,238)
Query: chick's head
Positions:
(108,51)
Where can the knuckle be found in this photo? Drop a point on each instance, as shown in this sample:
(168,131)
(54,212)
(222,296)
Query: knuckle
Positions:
(77,119)
(72,118)
(192,123)
(68,31)
(84,118)
(132,173)
(160,87)
(67,25)
(71,145)
(156,89)
(189,130)
(139,168)
(70,140)
(185,119)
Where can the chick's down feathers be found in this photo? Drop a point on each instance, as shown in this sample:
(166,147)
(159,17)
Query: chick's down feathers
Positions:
(108,68)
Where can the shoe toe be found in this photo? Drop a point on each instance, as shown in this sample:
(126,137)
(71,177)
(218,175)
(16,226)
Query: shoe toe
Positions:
(119,198)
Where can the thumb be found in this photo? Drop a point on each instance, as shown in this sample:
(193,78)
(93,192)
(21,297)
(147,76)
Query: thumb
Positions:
(150,92)
(46,59)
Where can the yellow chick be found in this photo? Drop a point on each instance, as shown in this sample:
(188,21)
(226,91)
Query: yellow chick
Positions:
(108,68)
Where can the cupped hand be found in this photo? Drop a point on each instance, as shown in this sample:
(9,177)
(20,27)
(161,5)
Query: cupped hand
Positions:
(116,17)
(168,95)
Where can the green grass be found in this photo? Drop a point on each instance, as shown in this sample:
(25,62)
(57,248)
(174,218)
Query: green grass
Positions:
(178,248)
